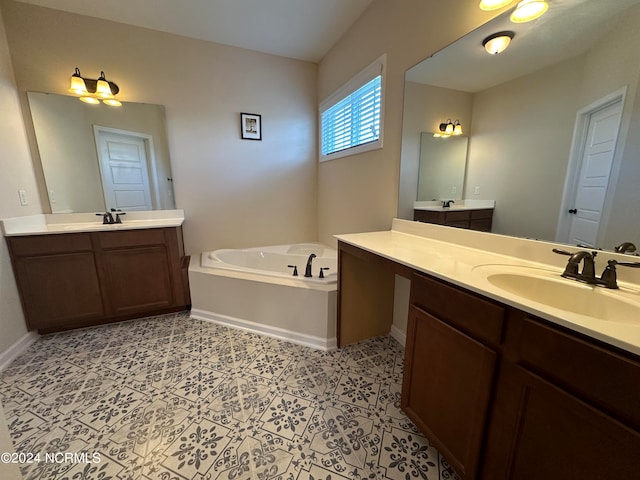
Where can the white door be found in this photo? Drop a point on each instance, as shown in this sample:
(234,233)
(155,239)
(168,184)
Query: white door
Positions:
(593,180)
(124,170)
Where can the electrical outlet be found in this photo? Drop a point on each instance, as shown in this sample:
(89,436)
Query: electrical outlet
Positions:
(23,197)
(454,190)
(52,196)
(476,191)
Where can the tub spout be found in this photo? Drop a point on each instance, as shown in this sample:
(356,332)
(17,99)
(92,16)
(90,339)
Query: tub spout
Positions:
(307,270)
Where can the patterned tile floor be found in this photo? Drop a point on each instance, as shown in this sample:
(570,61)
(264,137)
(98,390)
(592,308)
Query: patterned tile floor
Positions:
(175,398)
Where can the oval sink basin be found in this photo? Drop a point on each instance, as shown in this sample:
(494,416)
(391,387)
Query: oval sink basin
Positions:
(549,288)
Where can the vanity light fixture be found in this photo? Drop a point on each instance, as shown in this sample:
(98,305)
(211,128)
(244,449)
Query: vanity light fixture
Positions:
(448,128)
(497,42)
(528,10)
(94,90)
(488,5)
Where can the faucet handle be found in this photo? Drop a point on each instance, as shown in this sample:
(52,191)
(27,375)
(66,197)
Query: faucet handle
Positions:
(295,269)
(322,269)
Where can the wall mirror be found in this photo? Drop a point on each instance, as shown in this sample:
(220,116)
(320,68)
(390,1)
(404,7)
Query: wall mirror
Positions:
(96,157)
(528,112)
(442,166)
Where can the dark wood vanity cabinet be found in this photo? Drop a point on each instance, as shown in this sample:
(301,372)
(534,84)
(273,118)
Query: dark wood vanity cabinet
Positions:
(82,279)
(504,395)
(450,368)
(477,219)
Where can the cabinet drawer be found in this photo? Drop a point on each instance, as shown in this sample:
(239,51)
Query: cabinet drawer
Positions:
(605,378)
(49,244)
(472,314)
(484,213)
(429,216)
(131,238)
(456,216)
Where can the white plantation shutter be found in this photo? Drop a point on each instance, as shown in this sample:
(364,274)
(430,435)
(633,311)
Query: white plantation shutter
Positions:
(351,118)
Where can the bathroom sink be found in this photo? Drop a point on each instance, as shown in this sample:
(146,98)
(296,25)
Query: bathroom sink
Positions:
(548,288)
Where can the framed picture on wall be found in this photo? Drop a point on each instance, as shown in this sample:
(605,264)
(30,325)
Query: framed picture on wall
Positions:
(251,126)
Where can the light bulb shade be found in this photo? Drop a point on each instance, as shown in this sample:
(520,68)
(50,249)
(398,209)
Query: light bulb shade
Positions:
(488,5)
(112,102)
(103,90)
(498,42)
(91,100)
(449,129)
(528,10)
(457,128)
(77,85)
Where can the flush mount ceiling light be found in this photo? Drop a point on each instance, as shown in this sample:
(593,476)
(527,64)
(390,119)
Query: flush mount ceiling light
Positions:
(488,5)
(498,42)
(93,91)
(528,10)
(448,128)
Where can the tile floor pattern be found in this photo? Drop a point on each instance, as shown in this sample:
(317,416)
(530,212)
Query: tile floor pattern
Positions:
(172,398)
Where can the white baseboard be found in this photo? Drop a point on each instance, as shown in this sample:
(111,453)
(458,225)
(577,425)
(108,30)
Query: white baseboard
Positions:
(319,343)
(399,335)
(16,349)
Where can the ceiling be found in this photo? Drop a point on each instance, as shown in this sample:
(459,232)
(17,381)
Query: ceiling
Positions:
(300,29)
(569,28)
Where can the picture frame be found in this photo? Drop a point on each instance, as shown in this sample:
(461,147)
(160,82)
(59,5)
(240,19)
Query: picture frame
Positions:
(251,126)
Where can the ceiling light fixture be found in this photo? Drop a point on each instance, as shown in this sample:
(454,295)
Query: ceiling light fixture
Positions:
(93,91)
(497,42)
(488,5)
(448,128)
(528,10)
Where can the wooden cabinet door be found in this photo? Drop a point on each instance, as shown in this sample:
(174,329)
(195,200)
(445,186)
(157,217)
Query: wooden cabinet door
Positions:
(447,384)
(138,279)
(539,431)
(60,290)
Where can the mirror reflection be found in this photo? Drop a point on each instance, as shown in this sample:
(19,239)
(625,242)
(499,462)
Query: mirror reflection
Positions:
(552,123)
(96,157)
(442,165)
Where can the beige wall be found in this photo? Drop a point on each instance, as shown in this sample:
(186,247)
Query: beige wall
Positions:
(360,192)
(17,173)
(519,148)
(235,193)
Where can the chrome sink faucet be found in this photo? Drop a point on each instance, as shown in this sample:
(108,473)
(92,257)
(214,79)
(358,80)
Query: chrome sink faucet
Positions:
(608,279)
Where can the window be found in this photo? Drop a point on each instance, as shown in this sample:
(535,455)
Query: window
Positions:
(351,118)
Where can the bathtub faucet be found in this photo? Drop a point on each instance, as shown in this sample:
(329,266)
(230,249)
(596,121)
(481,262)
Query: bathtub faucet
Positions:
(307,271)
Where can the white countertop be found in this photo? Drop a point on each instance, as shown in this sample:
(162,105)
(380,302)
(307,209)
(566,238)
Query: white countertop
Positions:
(46,224)
(459,257)
(458,205)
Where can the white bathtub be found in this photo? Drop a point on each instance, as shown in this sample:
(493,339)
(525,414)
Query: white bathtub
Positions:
(275,261)
(254,289)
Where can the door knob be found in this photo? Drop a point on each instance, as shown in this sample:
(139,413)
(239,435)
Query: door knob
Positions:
(573,211)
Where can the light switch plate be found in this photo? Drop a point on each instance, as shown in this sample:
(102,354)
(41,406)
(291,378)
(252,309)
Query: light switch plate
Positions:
(23,197)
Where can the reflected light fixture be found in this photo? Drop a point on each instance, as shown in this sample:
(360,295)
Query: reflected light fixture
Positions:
(488,5)
(497,42)
(448,128)
(92,91)
(528,10)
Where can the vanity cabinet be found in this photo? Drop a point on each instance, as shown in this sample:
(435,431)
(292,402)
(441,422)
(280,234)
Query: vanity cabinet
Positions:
(505,395)
(473,219)
(82,279)
(565,407)
(450,368)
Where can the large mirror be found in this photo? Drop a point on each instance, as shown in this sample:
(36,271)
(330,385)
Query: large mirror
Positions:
(535,116)
(97,157)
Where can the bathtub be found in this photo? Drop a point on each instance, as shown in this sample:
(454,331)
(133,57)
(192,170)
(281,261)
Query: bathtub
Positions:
(276,261)
(255,289)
